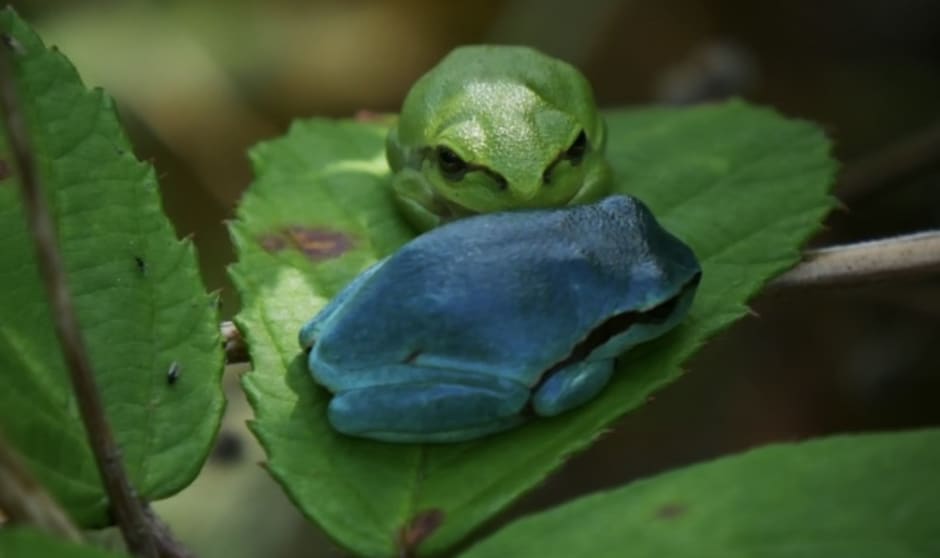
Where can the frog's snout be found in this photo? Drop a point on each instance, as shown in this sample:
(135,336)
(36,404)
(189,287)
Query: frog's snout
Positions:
(526,191)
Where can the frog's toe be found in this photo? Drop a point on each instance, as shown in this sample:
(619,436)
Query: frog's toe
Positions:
(308,334)
(571,386)
(433,412)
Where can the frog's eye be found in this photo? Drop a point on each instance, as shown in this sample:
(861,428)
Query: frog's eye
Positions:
(575,153)
(451,165)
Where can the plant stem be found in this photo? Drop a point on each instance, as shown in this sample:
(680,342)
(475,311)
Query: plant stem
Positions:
(835,266)
(234,343)
(903,159)
(167,545)
(24,500)
(127,508)
(865,262)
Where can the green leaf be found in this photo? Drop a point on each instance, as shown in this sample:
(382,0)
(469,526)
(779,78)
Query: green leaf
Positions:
(743,186)
(137,291)
(870,496)
(27,543)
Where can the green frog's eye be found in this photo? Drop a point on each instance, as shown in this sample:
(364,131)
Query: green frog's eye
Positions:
(575,153)
(451,165)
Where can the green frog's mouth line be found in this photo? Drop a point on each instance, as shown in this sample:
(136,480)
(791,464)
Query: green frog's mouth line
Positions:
(449,210)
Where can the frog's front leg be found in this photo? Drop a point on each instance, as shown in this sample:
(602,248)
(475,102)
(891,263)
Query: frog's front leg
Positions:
(416,199)
(430,409)
(596,185)
(571,386)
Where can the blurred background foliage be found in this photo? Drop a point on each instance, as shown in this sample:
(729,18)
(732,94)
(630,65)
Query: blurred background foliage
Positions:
(200,81)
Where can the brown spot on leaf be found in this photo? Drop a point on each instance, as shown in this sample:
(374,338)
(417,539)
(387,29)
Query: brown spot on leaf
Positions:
(317,243)
(670,511)
(272,242)
(421,526)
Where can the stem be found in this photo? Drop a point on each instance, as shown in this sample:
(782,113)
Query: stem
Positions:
(234,343)
(836,266)
(127,508)
(26,501)
(865,262)
(914,154)
(167,545)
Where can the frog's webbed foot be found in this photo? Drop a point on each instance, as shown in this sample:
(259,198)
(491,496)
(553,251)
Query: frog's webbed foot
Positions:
(571,386)
(429,412)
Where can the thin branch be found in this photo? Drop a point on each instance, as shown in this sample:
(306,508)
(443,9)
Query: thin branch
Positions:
(167,545)
(847,265)
(127,508)
(865,262)
(903,159)
(234,343)
(25,501)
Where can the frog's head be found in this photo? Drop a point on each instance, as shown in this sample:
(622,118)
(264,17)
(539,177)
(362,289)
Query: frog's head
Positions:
(497,128)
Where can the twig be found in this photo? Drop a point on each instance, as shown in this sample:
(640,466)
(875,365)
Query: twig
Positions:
(128,511)
(836,266)
(899,160)
(865,262)
(24,500)
(234,343)
(167,545)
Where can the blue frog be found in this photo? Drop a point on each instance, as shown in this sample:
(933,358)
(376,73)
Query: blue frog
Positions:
(481,323)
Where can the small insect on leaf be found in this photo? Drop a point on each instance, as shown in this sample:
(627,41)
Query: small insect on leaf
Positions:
(173,374)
